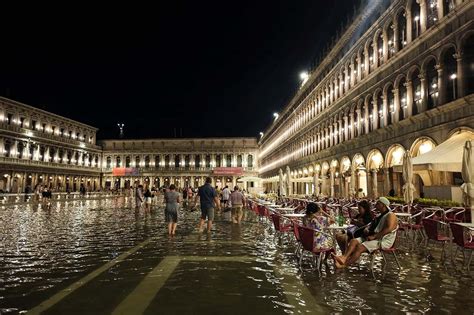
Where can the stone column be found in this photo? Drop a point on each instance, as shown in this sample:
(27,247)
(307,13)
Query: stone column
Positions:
(387,182)
(366,61)
(440,9)
(396,40)
(424,92)
(441,99)
(375,192)
(460,80)
(375,114)
(331,174)
(409,101)
(366,119)
(396,105)
(385,110)
(385,46)
(423,16)
(352,183)
(346,128)
(358,111)
(359,67)
(409,28)
(352,125)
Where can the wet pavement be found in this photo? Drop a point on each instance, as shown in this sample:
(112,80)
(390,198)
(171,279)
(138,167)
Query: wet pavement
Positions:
(102,256)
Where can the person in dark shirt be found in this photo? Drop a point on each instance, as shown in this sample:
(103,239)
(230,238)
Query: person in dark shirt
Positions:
(209,202)
(363,218)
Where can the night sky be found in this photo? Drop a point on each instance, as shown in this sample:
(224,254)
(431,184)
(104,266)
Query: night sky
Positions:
(208,68)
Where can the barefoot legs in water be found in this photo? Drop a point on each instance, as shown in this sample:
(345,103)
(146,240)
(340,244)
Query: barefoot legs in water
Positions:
(353,253)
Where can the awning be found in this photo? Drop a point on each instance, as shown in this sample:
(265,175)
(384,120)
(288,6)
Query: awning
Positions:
(446,157)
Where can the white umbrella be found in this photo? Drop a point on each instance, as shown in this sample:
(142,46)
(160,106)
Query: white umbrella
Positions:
(408,188)
(316,183)
(281,184)
(288,181)
(353,179)
(467,173)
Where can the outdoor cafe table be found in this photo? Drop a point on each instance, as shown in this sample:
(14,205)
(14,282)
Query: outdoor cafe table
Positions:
(293,215)
(284,209)
(467,225)
(335,227)
(402,214)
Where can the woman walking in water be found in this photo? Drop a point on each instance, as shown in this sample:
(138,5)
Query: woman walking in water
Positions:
(172,201)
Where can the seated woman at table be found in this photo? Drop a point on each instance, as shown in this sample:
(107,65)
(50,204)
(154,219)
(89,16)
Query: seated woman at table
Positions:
(316,219)
(363,218)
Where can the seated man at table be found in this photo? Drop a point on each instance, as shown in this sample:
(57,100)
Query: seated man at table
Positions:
(381,234)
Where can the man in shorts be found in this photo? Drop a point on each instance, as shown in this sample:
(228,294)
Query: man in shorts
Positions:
(237,200)
(209,201)
(380,234)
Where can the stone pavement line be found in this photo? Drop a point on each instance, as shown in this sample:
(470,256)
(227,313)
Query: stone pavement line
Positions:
(290,284)
(43,306)
(138,301)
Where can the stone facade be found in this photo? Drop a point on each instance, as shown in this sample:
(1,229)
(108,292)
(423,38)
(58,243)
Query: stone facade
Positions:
(402,82)
(183,162)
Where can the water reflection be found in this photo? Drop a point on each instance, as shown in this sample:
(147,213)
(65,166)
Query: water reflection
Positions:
(47,247)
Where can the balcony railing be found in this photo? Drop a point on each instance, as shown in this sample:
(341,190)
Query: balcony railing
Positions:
(175,169)
(15,161)
(39,134)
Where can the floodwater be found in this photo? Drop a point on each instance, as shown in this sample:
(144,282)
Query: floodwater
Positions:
(102,256)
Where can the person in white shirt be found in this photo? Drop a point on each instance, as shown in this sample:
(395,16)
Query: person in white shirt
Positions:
(225,195)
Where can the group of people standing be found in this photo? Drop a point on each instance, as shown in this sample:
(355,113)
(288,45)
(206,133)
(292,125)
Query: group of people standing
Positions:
(209,201)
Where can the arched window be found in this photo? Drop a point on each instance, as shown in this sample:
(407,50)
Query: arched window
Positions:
(127,161)
(390,105)
(371,57)
(417,97)
(137,161)
(402,90)
(186,161)
(372,116)
(176,161)
(432,81)
(380,49)
(391,40)
(450,74)
(167,161)
(432,8)
(208,161)
(218,160)
(147,161)
(415,16)
(117,161)
(250,161)
(239,160)
(402,30)
(469,64)
(448,6)
(197,161)
(109,162)
(228,161)
(157,160)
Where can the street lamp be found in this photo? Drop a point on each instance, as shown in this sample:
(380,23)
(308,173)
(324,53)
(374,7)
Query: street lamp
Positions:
(261,134)
(121,125)
(276,115)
